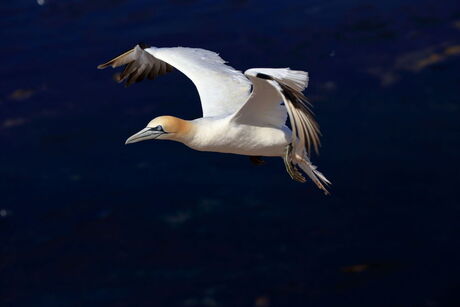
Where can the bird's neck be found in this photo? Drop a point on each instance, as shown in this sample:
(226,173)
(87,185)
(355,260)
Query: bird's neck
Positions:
(186,131)
(203,133)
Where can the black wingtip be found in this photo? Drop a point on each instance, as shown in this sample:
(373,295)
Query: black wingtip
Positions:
(264,76)
(143,45)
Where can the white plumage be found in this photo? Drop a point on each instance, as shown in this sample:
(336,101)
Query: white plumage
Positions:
(222,89)
(242,113)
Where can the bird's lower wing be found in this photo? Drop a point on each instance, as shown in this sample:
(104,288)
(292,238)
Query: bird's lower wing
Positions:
(263,107)
(271,87)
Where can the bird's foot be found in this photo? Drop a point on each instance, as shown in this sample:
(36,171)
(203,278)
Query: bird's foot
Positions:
(292,170)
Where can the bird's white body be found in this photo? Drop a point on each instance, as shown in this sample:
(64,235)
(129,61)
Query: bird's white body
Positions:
(225,136)
(243,114)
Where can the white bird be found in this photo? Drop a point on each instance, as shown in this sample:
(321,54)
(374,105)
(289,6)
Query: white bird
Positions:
(243,114)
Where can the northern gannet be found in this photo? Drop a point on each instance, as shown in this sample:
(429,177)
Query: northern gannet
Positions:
(243,114)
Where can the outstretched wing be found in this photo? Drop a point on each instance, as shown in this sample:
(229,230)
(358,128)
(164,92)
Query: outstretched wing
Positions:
(271,87)
(222,89)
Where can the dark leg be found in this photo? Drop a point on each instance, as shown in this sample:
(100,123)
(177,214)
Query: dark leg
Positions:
(256,160)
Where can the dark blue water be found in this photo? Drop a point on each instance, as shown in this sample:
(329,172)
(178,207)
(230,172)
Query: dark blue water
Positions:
(87,221)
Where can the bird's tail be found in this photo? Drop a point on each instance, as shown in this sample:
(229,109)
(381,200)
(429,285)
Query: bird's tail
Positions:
(318,178)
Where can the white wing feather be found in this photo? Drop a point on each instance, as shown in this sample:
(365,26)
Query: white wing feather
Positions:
(296,79)
(222,89)
(264,107)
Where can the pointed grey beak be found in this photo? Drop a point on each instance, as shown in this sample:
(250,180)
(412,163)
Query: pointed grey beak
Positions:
(144,134)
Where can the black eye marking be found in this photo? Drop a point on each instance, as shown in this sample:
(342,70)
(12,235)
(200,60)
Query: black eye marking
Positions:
(158,128)
(264,76)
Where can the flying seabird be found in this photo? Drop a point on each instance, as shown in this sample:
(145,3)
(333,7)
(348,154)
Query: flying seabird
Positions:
(243,114)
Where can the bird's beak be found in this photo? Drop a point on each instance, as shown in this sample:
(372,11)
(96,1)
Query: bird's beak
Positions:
(144,134)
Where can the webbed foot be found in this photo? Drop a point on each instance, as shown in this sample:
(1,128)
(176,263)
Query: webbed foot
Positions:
(292,170)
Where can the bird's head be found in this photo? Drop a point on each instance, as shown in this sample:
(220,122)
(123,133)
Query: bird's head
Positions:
(162,128)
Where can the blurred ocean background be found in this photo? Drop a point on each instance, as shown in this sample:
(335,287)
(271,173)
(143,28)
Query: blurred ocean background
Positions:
(88,221)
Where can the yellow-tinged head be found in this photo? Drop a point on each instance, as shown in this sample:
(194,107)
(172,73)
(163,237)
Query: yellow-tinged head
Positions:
(163,128)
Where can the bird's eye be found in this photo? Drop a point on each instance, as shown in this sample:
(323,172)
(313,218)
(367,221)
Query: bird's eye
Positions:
(158,128)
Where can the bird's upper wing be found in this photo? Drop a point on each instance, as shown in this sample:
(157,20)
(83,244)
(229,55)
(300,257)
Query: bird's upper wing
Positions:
(222,89)
(263,107)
